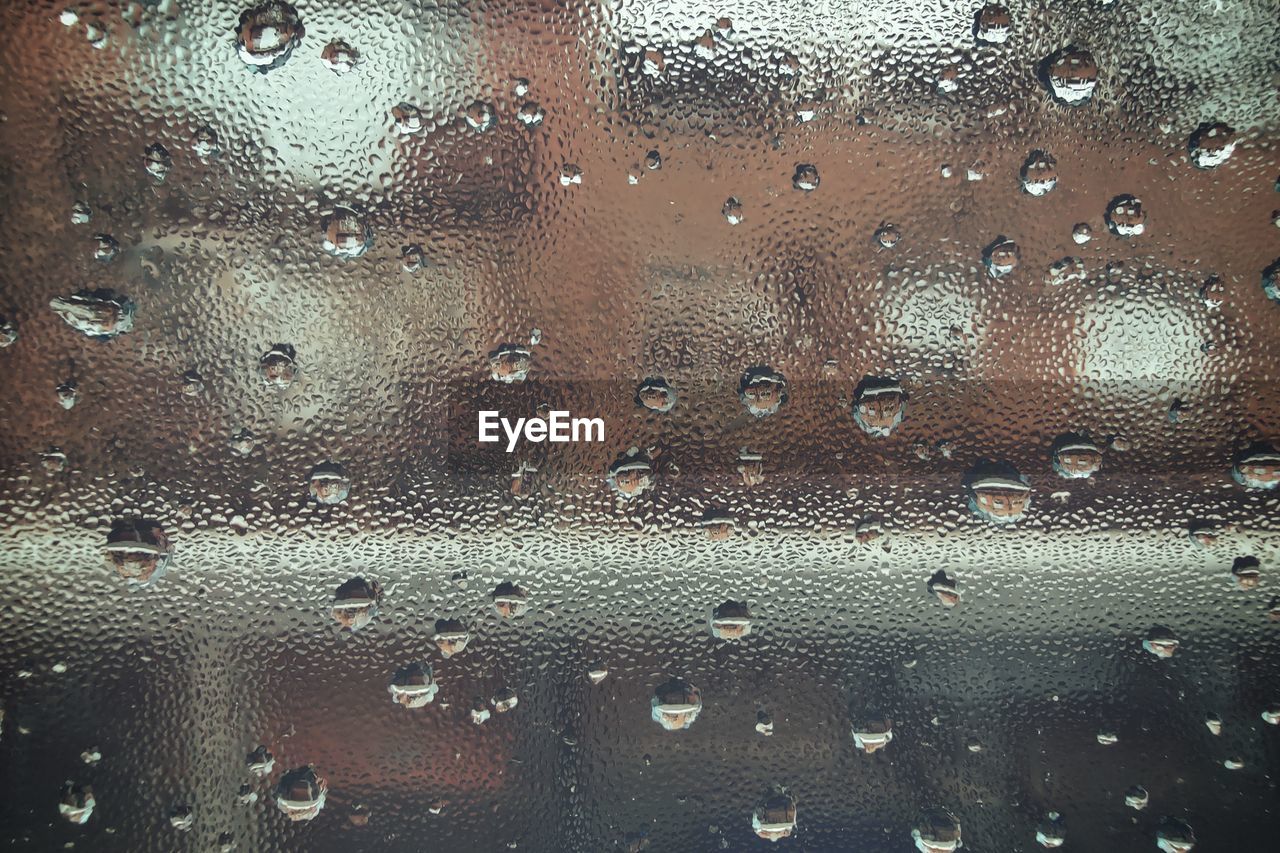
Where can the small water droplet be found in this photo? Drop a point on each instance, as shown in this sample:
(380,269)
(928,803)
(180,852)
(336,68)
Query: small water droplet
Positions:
(157,161)
(732,211)
(278,366)
(992,24)
(806,177)
(340,57)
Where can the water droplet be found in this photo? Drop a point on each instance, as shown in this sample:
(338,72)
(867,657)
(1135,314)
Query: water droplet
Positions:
(479,116)
(204,142)
(1136,798)
(192,383)
(1213,723)
(869,530)
(243,442)
(520,86)
(676,704)
(267,35)
(278,366)
(937,831)
(260,761)
(888,235)
(53,460)
(764,723)
(631,474)
(872,732)
(570,175)
(718,524)
(1247,572)
(340,57)
(762,390)
(1001,257)
(1039,173)
(806,177)
(504,700)
(1271,715)
(329,484)
(1082,233)
(451,636)
(1051,832)
(411,258)
(879,405)
(944,588)
(997,492)
(1211,145)
(76,803)
(355,603)
(138,551)
(510,600)
(300,793)
(732,211)
(731,620)
(359,815)
(654,62)
(479,711)
(1271,281)
(81,213)
(413,686)
(1257,467)
(656,395)
(531,114)
(105,248)
(1125,216)
(992,24)
(346,233)
(101,314)
(787,64)
(91,756)
(1175,836)
(407,119)
(653,161)
(182,818)
(1071,75)
(157,161)
(774,817)
(948,80)
(1066,270)
(1108,738)
(751,467)
(1075,456)
(704,47)
(1160,642)
(67,393)
(510,363)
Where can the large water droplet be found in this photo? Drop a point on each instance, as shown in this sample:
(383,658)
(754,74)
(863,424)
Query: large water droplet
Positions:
(355,603)
(101,314)
(267,35)
(300,793)
(676,704)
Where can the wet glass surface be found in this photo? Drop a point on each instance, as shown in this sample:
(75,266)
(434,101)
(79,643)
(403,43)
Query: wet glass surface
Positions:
(934,347)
